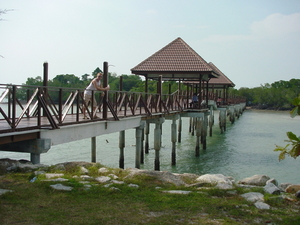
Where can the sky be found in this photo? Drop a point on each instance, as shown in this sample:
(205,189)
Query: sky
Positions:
(253,42)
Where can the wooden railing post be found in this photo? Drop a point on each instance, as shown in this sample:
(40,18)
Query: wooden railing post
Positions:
(105,83)
(159,91)
(14,103)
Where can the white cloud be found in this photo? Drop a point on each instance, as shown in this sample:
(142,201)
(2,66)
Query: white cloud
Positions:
(277,25)
(273,26)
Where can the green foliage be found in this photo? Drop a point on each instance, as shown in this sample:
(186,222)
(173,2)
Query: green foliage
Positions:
(293,148)
(277,95)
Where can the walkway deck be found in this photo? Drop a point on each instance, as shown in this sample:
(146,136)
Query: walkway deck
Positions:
(38,123)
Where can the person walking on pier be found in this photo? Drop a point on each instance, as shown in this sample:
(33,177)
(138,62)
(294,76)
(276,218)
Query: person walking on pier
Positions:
(194,102)
(95,85)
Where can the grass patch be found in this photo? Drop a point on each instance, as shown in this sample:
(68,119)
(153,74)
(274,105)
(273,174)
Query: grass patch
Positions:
(37,203)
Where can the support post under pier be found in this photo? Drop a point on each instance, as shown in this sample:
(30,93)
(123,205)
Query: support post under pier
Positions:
(121,146)
(138,145)
(179,129)
(198,134)
(35,147)
(147,137)
(93,149)
(174,139)
(157,142)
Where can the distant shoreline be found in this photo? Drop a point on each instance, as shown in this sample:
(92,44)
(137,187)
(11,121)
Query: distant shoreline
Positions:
(267,109)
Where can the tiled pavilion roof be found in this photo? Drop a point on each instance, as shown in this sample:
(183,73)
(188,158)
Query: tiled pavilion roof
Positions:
(222,80)
(175,61)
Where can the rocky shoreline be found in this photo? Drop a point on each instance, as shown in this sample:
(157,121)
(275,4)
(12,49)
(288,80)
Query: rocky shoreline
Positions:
(107,177)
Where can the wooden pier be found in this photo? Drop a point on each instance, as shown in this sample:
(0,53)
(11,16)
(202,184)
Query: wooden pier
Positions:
(32,121)
(34,127)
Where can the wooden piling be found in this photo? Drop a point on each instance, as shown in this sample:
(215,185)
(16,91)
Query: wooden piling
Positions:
(222,120)
(174,139)
(211,120)
(204,130)
(179,129)
(147,137)
(142,147)
(138,144)
(194,122)
(93,149)
(198,134)
(121,146)
(157,141)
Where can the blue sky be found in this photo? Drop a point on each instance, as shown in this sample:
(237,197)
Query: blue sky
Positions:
(252,42)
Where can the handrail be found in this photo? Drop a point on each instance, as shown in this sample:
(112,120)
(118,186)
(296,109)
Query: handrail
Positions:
(53,107)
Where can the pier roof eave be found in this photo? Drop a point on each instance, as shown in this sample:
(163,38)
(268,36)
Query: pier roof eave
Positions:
(216,83)
(175,61)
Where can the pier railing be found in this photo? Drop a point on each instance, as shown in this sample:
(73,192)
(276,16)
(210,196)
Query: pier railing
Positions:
(24,107)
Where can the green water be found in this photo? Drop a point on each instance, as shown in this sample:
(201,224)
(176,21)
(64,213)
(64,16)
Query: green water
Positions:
(245,149)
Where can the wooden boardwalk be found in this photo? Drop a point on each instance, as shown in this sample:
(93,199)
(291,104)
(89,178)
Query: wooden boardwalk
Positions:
(37,124)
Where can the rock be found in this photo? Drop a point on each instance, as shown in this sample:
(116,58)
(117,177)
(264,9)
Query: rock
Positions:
(133,185)
(283,186)
(102,179)
(53,175)
(117,182)
(113,176)
(107,185)
(59,179)
(3,191)
(261,205)
(257,180)
(272,189)
(86,177)
(292,188)
(177,192)
(163,176)
(84,170)
(224,186)
(187,176)
(297,194)
(114,189)
(217,180)
(72,165)
(103,170)
(273,181)
(253,196)
(61,187)
(10,165)
(39,172)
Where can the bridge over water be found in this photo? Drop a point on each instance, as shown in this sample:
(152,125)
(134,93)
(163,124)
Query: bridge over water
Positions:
(32,119)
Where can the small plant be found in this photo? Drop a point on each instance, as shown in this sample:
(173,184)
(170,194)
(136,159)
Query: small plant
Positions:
(293,148)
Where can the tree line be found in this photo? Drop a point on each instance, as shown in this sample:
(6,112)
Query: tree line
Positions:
(130,83)
(278,95)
